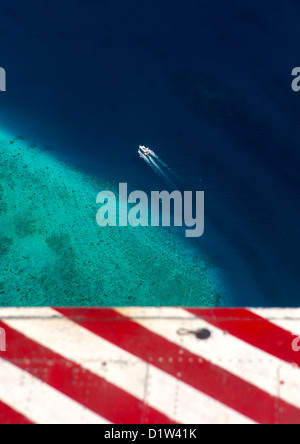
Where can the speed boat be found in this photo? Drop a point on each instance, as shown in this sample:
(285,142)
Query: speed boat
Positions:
(144,150)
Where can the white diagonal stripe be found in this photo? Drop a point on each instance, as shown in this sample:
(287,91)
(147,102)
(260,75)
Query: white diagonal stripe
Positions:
(38,401)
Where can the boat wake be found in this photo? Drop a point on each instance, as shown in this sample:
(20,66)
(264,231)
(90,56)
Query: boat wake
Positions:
(157,165)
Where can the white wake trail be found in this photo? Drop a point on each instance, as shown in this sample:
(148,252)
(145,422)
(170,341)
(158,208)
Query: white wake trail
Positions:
(156,157)
(163,164)
(146,158)
(159,171)
(158,166)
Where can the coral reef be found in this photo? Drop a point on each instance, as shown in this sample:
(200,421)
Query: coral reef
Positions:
(53,253)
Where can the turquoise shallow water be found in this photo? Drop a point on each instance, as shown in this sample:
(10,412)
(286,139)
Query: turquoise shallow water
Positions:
(53,253)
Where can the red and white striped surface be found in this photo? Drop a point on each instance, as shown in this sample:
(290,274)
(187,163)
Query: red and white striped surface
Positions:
(131,366)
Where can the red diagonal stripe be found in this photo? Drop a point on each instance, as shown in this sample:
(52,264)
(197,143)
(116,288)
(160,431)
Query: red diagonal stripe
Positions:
(83,386)
(252,329)
(9,416)
(202,375)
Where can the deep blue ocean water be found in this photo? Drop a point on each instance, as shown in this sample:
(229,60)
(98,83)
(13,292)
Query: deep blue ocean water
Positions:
(206,84)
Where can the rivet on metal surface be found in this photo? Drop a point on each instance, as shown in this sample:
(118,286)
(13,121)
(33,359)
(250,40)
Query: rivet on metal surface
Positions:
(201,334)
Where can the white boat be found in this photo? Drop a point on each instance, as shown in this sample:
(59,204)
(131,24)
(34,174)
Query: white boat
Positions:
(144,150)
